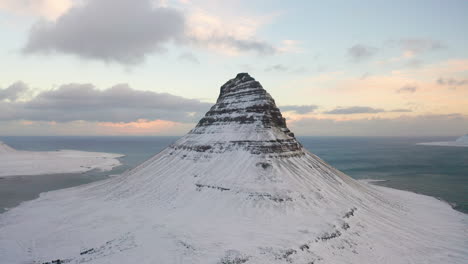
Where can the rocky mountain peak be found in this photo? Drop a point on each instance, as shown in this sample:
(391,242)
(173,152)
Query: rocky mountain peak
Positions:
(246,116)
(243,101)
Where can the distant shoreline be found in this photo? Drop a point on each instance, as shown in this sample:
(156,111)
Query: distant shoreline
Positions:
(28,163)
(444,144)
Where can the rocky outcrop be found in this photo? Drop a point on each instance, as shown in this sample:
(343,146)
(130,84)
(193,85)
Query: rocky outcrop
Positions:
(243,111)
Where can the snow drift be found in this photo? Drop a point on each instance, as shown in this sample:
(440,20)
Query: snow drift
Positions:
(459,142)
(14,162)
(238,188)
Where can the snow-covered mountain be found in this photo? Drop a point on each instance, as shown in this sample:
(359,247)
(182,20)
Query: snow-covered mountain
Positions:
(238,188)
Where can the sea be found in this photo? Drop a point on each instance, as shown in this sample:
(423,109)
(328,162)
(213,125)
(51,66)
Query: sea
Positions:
(396,162)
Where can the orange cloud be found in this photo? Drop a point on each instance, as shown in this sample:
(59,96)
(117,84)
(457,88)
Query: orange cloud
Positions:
(139,127)
(331,90)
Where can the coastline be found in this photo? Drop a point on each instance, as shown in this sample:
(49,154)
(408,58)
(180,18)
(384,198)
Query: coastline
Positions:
(379,184)
(29,163)
(444,144)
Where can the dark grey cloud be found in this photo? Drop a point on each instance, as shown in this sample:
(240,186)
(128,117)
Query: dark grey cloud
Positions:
(407,89)
(123,31)
(189,57)
(14,91)
(126,32)
(422,125)
(361,52)
(300,109)
(277,67)
(452,82)
(354,110)
(119,103)
(361,110)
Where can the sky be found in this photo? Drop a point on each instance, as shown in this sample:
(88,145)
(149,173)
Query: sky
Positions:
(153,67)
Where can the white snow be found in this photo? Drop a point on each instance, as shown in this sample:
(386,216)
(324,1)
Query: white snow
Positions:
(15,162)
(232,204)
(177,210)
(460,142)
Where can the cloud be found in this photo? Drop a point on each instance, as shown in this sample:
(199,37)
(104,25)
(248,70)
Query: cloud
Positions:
(119,103)
(87,128)
(413,46)
(414,63)
(228,34)
(407,89)
(452,82)
(361,52)
(120,31)
(189,57)
(232,45)
(50,9)
(300,109)
(400,110)
(14,91)
(362,110)
(423,125)
(277,67)
(354,110)
(128,31)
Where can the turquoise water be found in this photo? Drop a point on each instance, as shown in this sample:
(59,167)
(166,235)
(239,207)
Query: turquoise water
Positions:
(441,172)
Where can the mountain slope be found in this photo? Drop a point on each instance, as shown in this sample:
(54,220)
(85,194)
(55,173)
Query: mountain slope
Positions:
(238,188)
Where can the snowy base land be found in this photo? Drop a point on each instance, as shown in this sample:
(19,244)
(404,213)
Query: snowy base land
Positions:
(159,215)
(238,188)
(460,142)
(15,162)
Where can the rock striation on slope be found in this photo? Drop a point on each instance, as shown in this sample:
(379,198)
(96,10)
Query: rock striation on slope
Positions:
(238,188)
(244,117)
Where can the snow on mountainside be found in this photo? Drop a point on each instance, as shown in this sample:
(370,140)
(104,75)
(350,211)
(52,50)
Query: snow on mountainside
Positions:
(238,188)
(15,162)
(460,142)
(463,139)
(4,148)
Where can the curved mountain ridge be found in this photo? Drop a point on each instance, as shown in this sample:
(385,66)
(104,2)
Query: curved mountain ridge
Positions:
(238,188)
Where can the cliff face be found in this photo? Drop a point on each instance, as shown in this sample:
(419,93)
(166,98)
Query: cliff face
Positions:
(245,117)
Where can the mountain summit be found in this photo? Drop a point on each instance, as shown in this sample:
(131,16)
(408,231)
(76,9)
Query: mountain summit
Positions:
(245,117)
(238,188)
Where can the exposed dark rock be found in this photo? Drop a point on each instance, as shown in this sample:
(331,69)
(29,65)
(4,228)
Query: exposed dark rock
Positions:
(264,165)
(274,198)
(350,213)
(328,236)
(243,102)
(234,257)
(87,251)
(200,186)
(345,226)
(304,247)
